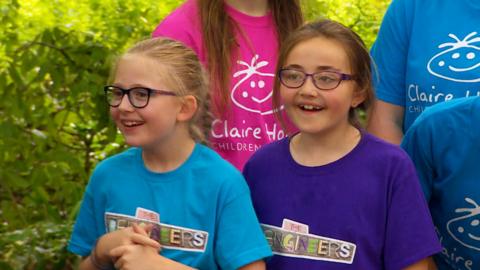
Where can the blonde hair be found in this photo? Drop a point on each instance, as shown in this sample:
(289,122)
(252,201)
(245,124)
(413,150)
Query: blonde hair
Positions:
(187,75)
(218,30)
(357,52)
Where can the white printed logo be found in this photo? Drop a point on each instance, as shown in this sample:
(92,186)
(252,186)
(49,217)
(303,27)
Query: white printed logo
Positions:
(460,62)
(250,94)
(466,229)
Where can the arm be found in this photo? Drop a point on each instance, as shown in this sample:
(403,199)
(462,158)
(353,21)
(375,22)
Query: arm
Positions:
(386,121)
(258,265)
(425,264)
(390,57)
(143,257)
(101,256)
(138,257)
(238,224)
(410,234)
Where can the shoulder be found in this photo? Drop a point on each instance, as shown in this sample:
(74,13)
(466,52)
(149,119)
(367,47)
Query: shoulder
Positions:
(121,160)
(449,117)
(388,161)
(183,13)
(182,24)
(383,152)
(206,157)
(405,6)
(208,162)
(455,109)
(445,122)
(269,153)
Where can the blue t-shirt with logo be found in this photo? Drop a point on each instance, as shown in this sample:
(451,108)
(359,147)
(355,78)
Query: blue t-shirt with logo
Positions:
(428,51)
(202,211)
(444,143)
(365,210)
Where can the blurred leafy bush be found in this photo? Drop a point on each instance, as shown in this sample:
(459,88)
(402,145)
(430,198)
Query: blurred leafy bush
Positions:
(54,59)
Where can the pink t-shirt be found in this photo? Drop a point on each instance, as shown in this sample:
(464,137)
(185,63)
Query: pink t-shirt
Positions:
(250,122)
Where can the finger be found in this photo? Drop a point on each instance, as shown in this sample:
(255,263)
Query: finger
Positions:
(119,264)
(118,251)
(145,240)
(143,230)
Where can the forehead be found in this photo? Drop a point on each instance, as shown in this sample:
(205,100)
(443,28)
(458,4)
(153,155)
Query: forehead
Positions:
(319,53)
(135,69)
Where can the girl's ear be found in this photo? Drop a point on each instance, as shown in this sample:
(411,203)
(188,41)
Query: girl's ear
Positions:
(358,97)
(188,108)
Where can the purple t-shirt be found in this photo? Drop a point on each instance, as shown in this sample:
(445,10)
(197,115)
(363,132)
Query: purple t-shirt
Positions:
(363,211)
(249,123)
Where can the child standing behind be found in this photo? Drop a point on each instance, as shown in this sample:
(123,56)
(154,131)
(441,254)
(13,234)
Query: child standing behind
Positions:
(333,196)
(237,40)
(444,144)
(196,204)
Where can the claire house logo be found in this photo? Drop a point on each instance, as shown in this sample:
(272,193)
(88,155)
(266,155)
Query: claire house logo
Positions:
(459,61)
(466,228)
(250,92)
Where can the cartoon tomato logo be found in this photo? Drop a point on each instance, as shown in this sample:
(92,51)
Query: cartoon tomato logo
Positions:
(466,229)
(460,62)
(250,92)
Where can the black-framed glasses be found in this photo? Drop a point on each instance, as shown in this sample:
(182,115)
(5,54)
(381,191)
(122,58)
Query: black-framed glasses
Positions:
(138,96)
(323,80)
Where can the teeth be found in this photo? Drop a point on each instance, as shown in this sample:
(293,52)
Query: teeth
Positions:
(310,107)
(131,123)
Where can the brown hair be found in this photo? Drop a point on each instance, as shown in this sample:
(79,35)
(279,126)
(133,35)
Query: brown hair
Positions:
(220,44)
(355,49)
(187,75)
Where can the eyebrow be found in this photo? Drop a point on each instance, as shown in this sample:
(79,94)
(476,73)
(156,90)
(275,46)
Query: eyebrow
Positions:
(131,86)
(318,68)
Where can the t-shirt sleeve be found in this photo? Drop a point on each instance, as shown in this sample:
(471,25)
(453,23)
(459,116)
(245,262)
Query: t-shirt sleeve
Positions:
(83,236)
(181,25)
(87,229)
(417,142)
(240,240)
(410,234)
(390,52)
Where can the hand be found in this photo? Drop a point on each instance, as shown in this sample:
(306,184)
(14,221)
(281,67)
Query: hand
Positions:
(144,258)
(127,236)
(138,257)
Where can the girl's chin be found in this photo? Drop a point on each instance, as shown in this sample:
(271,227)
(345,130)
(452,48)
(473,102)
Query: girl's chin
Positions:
(133,142)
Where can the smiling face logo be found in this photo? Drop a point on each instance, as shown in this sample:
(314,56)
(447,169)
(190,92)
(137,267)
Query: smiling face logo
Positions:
(460,62)
(250,92)
(466,229)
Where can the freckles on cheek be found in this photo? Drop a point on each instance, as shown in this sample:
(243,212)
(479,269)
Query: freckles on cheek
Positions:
(113,113)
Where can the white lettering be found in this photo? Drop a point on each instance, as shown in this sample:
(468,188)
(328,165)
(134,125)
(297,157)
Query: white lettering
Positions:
(221,129)
(345,251)
(416,94)
(198,239)
(273,134)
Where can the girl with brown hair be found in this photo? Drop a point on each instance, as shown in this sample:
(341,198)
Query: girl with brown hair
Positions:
(237,41)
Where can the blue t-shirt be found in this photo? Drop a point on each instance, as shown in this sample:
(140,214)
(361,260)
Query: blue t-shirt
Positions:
(444,143)
(206,219)
(428,51)
(363,211)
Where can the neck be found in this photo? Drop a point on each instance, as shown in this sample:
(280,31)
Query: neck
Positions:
(256,8)
(169,154)
(324,148)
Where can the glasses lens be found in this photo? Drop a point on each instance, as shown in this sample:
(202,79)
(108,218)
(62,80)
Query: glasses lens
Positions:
(326,80)
(114,95)
(139,97)
(292,78)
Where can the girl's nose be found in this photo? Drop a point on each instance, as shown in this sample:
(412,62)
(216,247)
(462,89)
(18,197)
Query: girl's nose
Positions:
(308,88)
(125,104)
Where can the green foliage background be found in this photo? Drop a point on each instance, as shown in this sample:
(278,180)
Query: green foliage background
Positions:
(54,127)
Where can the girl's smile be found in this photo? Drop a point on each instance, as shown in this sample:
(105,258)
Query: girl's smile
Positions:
(311,109)
(155,123)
